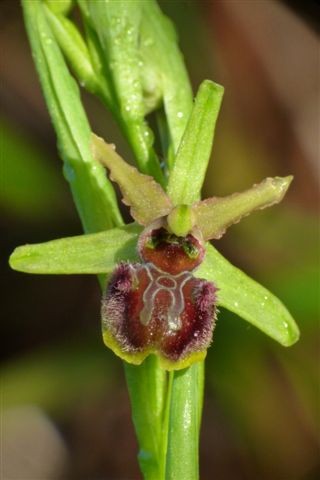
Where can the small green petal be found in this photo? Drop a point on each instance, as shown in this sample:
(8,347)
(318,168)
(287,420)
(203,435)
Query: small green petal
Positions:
(94,253)
(247,298)
(215,215)
(145,196)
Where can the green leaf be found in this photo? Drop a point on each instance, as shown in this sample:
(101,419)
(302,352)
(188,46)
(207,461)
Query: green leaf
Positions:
(215,215)
(60,6)
(92,253)
(163,69)
(145,196)
(147,385)
(75,49)
(93,193)
(248,299)
(117,25)
(184,423)
(190,165)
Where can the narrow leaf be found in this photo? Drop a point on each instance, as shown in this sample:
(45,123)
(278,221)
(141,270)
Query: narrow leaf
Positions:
(184,424)
(74,48)
(163,69)
(145,196)
(118,27)
(215,215)
(189,169)
(60,6)
(93,193)
(147,384)
(248,299)
(92,253)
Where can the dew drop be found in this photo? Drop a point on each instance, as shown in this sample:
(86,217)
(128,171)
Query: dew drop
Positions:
(179,114)
(285,324)
(236,304)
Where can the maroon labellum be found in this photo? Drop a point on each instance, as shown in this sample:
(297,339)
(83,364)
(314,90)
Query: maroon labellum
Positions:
(158,306)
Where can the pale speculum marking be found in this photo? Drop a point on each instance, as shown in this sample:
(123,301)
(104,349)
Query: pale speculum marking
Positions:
(173,284)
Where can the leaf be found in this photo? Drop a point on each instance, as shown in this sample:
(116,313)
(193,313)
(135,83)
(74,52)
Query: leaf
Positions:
(163,69)
(184,423)
(93,193)
(248,299)
(215,215)
(92,253)
(145,196)
(189,169)
(117,25)
(74,48)
(60,7)
(147,386)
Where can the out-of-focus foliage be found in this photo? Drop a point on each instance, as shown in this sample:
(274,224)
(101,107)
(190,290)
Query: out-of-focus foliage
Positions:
(30,186)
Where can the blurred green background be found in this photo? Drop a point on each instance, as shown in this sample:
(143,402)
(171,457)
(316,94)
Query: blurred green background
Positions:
(65,410)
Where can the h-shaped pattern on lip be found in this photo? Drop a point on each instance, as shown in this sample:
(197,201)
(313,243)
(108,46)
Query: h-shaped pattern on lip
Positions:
(173,284)
(146,310)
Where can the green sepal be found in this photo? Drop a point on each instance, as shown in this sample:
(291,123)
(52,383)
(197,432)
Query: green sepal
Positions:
(214,215)
(145,196)
(190,165)
(93,253)
(248,299)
